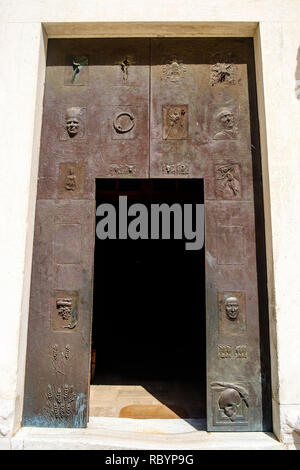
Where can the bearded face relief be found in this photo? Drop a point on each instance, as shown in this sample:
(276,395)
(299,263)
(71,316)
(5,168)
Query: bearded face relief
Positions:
(226,119)
(232,307)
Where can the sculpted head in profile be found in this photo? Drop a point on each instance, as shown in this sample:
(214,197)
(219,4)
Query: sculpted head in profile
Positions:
(232,307)
(72,121)
(226,123)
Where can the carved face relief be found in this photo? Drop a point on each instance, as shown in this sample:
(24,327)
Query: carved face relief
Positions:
(232,307)
(226,119)
(229,401)
(226,123)
(72,126)
(72,121)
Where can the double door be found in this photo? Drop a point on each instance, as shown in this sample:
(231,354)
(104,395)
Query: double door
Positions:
(145,108)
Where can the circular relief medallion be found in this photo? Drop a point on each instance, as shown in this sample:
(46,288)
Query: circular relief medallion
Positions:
(124,122)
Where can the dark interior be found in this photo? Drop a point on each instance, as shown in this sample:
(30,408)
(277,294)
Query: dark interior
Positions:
(149,304)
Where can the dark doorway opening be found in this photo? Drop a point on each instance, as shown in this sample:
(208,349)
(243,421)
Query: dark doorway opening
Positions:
(148,335)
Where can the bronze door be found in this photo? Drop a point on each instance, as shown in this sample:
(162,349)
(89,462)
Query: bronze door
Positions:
(95,124)
(200,128)
(103,99)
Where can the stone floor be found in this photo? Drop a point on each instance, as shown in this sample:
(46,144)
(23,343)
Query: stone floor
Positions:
(146,434)
(156,400)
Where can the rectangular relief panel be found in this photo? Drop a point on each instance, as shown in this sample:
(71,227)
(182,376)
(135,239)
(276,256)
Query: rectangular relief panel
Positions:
(200,128)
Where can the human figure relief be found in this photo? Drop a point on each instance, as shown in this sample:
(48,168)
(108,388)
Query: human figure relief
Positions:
(225,120)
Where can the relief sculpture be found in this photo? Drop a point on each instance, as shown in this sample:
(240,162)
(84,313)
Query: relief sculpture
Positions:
(124,122)
(222,73)
(230,352)
(232,313)
(73,121)
(71,180)
(76,70)
(64,314)
(175,122)
(124,68)
(122,169)
(225,121)
(64,407)
(241,352)
(181,168)
(228,181)
(67,311)
(232,308)
(232,401)
(173,71)
(78,62)
(60,359)
(224,351)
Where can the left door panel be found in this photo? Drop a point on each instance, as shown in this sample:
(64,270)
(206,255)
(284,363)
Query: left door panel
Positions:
(95,125)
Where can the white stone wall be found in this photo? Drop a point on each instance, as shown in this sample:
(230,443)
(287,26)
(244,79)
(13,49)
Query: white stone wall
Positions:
(275,25)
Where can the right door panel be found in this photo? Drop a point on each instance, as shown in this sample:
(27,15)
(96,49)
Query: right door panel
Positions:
(200,128)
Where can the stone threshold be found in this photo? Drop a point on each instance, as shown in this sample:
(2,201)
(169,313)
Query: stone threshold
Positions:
(145,434)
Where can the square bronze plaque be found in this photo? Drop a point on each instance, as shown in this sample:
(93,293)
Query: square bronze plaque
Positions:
(72,121)
(230,403)
(228,181)
(175,122)
(125,122)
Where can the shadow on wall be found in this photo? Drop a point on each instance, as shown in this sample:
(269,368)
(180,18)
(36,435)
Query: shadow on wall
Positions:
(297,76)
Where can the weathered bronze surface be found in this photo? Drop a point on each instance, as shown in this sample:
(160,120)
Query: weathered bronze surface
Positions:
(96,124)
(212,84)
